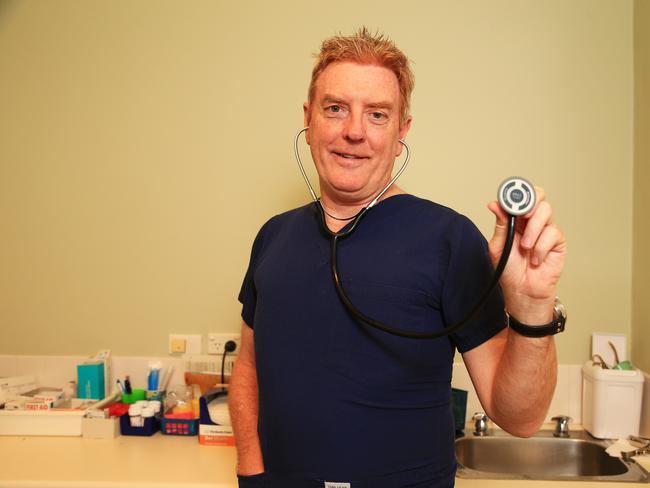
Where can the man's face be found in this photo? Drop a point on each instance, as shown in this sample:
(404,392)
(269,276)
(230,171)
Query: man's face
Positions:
(354,129)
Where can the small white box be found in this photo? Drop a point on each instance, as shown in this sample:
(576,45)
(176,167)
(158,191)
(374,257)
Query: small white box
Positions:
(611,401)
(99,428)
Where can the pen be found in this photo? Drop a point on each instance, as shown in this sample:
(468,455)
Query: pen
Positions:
(119,385)
(127,386)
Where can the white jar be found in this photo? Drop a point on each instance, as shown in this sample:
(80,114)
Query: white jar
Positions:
(135,416)
(147,412)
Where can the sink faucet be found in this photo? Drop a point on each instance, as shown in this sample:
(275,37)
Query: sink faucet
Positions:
(480,424)
(561,425)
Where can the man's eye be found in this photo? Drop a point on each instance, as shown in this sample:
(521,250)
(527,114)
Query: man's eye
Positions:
(334,108)
(378,115)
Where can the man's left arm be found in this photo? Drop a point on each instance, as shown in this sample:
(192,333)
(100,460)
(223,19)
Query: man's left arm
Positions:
(514,376)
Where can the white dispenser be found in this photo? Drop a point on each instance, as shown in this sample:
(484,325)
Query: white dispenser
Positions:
(611,401)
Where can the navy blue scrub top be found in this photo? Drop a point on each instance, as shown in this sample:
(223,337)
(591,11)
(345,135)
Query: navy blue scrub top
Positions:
(340,401)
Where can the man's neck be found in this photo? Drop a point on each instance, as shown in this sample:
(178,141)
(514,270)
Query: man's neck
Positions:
(338,210)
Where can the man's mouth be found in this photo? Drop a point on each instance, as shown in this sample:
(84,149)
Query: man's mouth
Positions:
(349,155)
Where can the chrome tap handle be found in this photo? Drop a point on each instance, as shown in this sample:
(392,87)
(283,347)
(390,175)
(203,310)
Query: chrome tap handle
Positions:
(561,425)
(480,424)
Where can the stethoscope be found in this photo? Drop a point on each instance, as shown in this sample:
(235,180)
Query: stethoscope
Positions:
(515,195)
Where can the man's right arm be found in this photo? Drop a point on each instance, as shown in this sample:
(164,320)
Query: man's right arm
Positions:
(244,407)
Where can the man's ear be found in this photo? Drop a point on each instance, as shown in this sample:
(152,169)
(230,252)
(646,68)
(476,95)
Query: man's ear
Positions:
(403,130)
(306,118)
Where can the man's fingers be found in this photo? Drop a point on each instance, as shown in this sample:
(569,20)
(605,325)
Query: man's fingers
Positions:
(540,193)
(540,196)
(540,218)
(550,238)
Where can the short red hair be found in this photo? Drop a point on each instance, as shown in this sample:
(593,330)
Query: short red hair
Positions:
(366,48)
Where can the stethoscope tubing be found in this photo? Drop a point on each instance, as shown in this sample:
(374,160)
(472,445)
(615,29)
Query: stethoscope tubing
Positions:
(336,236)
(340,291)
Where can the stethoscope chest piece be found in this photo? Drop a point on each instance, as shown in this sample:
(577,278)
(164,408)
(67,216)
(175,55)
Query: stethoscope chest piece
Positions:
(516,196)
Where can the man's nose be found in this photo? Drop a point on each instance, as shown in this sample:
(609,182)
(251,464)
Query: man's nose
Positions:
(355,129)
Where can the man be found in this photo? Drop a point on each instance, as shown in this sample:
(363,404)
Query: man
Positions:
(320,399)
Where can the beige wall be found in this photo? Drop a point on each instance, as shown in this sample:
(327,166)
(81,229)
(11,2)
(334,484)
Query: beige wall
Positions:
(142,144)
(641,243)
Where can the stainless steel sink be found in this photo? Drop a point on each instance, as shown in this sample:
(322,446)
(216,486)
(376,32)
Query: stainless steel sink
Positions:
(543,457)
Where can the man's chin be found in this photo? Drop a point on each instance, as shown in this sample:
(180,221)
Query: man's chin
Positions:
(350,193)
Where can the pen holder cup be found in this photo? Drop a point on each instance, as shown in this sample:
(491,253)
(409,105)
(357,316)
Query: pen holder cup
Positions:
(136,395)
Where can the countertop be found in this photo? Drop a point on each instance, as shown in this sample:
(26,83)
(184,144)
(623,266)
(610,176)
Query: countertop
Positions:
(126,461)
(161,461)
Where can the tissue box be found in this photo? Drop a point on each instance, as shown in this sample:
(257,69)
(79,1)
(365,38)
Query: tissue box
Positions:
(90,380)
(611,401)
(211,433)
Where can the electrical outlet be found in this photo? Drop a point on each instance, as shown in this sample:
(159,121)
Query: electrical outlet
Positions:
(184,343)
(217,343)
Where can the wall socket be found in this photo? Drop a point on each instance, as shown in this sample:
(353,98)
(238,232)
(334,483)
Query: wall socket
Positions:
(217,343)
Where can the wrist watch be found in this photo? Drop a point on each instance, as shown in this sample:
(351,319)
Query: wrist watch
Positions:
(554,327)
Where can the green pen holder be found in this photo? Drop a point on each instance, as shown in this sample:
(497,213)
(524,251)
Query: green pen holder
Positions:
(136,394)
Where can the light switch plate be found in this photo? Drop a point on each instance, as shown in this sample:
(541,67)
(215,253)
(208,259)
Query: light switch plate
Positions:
(192,343)
(177,345)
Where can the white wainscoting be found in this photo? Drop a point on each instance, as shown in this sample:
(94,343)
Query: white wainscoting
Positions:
(57,371)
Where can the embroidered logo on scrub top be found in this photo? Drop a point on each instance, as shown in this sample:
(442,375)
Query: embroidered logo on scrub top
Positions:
(330,484)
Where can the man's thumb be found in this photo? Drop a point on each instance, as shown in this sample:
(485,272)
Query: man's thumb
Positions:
(500,227)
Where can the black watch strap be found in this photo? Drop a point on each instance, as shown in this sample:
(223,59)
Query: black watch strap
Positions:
(551,328)
(554,327)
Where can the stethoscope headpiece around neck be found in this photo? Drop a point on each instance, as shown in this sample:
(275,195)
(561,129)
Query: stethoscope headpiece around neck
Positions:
(381,193)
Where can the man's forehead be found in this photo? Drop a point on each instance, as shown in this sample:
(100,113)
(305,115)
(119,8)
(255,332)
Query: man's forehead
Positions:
(372,83)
